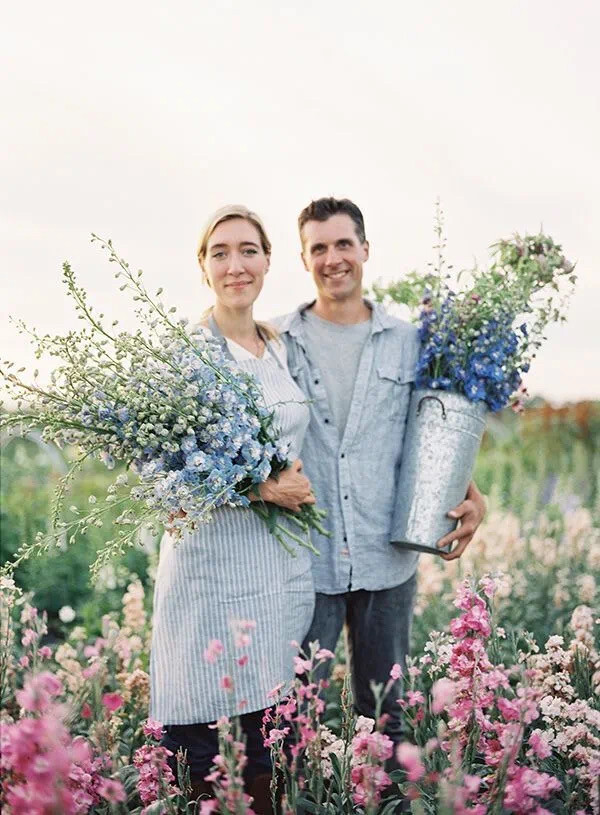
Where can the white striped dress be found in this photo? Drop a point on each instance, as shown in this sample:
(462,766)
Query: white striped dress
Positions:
(231,569)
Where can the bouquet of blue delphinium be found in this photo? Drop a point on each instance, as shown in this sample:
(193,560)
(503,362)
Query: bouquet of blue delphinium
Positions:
(480,340)
(168,403)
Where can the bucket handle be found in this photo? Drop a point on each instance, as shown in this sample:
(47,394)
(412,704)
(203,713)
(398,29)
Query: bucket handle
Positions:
(435,398)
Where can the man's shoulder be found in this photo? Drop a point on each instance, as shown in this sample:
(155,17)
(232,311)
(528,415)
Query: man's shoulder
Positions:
(396,327)
(282,322)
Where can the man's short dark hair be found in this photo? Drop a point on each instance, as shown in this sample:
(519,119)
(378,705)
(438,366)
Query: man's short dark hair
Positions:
(323,208)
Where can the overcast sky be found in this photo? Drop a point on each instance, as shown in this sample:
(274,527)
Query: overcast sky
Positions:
(137,119)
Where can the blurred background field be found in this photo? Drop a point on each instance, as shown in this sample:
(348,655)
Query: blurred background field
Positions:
(540,472)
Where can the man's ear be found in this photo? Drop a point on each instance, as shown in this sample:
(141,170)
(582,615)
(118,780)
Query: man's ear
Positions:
(366,250)
(304,263)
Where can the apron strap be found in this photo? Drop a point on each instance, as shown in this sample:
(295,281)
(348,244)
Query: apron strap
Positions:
(216,331)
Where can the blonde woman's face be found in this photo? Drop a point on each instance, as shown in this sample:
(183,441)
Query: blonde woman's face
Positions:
(235,263)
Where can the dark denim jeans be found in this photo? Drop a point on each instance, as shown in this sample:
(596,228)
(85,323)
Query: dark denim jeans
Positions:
(202,744)
(379,625)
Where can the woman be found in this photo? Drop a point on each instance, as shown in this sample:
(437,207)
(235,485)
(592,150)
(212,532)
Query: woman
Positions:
(231,581)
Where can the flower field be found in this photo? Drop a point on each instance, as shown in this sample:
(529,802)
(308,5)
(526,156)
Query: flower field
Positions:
(501,696)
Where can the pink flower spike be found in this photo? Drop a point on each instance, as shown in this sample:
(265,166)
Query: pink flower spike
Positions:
(243,661)
(112,701)
(112,790)
(324,653)
(86,711)
(302,665)
(24,661)
(153,729)
(45,652)
(29,636)
(91,670)
(276,690)
(443,693)
(214,650)
(409,757)
(227,683)
(207,807)
(396,672)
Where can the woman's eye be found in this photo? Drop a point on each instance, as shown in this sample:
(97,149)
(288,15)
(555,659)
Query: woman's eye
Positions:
(250,251)
(218,255)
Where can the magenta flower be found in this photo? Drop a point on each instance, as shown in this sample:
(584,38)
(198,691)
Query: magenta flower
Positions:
(112,790)
(227,683)
(112,701)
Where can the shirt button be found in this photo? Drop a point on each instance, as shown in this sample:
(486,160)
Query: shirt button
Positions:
(326,421)
(345,539)
(345,497)
(343,455)
(316,381)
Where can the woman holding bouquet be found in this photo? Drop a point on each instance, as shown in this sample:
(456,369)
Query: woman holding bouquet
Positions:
(229,600)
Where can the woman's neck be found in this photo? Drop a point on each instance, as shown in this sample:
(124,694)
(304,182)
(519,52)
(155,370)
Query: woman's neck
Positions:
(236,324)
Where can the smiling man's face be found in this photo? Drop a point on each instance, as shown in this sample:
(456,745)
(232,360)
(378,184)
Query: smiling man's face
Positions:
(334,255)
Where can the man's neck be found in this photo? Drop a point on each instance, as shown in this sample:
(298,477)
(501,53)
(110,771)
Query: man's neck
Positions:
(343,312)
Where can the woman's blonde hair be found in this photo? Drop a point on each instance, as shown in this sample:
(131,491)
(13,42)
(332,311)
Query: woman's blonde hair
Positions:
(229,213)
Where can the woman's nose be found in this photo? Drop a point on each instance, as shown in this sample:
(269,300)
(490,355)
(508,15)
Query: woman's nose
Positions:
(236,265)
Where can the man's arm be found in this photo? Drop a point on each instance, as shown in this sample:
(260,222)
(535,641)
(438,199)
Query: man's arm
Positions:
(470,512)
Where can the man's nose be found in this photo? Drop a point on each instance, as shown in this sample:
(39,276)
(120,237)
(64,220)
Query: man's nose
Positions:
(332,258)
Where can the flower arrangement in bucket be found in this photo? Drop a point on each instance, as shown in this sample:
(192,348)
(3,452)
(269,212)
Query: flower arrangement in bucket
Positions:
(192,430)
(476,343)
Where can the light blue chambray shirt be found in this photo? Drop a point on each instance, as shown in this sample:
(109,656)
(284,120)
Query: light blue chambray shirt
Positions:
(355,479)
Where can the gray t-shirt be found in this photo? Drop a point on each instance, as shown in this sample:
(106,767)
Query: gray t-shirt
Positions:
(335,349)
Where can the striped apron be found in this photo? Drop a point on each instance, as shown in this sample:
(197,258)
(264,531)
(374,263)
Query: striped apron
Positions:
(229,570)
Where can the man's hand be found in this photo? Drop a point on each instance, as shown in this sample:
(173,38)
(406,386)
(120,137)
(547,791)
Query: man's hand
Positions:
(470,513)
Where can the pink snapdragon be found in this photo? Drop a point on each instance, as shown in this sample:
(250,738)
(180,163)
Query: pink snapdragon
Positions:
(443,693)
(155,776)
(38,692)
(112,790)
(409,758)
(525,787)
(153,729)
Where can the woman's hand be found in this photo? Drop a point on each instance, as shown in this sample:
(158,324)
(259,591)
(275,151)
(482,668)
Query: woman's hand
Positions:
(290,489)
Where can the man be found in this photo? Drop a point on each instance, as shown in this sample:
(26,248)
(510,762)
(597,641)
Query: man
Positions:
(356,364)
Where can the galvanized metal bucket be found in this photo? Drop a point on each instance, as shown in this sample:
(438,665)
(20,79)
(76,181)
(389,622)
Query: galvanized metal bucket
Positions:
(443,434)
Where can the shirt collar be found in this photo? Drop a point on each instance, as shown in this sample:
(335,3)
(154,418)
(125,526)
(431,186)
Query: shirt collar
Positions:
(293,323)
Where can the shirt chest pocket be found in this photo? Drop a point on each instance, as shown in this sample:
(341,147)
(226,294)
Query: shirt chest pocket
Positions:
(392,393)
